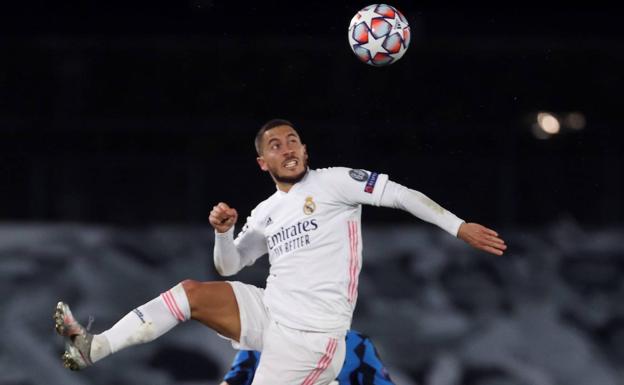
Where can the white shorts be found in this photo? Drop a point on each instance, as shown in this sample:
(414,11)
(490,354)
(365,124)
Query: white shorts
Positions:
(289,356)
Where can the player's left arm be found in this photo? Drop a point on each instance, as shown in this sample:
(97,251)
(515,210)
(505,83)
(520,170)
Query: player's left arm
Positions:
(423,207)
(355,186)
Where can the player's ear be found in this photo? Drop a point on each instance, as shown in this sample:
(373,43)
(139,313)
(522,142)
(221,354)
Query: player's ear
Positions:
(262,163)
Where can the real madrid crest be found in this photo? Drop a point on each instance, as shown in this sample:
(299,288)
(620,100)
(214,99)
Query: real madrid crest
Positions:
(309,206)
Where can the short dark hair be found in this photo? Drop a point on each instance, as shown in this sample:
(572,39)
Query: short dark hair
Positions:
(266,127)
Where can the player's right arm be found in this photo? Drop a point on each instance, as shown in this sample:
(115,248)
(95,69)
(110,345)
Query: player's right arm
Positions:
(231,255)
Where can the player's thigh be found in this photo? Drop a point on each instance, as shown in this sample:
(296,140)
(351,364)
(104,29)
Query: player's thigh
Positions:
(254,316)
(214,304)
(299,358)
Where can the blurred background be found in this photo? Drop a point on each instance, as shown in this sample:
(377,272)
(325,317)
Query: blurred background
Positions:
(121,125)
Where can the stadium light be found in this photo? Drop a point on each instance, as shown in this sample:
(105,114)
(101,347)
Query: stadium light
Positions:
(545,125)
(548,123)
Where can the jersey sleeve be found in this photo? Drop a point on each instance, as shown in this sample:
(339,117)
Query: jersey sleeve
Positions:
(243,368)
(355,186)
(231,255)
(421,206)
(250,241)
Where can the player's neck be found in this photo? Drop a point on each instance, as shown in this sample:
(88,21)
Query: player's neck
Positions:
(285,187)
(285,184)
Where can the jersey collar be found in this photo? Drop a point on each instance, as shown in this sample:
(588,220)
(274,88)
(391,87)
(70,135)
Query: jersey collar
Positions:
(296,185)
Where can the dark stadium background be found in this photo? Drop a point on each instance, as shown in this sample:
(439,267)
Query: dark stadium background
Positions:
(145,112)
(130,120)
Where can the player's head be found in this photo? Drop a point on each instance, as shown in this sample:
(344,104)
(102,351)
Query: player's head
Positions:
(281,152)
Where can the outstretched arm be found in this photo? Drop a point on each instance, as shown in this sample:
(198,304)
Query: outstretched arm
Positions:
(421,206)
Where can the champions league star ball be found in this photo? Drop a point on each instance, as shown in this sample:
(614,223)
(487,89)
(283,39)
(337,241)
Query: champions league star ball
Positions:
(379,34)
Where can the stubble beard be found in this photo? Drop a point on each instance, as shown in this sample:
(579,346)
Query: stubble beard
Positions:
(292,179)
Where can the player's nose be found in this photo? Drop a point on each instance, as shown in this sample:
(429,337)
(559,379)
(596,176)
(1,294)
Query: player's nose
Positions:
(289,152)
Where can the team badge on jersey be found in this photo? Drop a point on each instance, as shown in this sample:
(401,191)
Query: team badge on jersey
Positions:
(358,174)
(309,206)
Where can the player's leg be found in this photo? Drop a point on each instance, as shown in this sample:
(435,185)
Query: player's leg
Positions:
(211,303)
(363,362)
(373,360)
(214,304)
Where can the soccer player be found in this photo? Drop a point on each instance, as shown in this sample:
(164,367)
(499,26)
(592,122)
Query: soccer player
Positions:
(362,365)
(310,228)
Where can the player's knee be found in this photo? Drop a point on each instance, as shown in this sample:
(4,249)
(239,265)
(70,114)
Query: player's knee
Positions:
(190,287)
(207,300)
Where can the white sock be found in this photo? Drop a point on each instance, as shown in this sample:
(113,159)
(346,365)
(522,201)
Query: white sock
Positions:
(143,324)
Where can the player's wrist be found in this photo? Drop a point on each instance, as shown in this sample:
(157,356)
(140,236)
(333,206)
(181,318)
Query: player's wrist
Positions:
(224,233)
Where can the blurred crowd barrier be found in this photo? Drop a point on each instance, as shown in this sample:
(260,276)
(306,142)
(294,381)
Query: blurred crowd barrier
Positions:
(549,312)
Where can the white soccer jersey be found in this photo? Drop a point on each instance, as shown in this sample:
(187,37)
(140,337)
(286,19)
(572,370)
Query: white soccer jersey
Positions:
(313,238)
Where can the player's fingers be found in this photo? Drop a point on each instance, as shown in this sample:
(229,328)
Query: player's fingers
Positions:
(218,213)
(218,216)
(495,240)
(223,206)
(489,231)
(216,210)
(213,218)
(498,246)
(492,250)
(230,216)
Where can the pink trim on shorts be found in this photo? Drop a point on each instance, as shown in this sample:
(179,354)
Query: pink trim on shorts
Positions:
(353,261)
(323,363)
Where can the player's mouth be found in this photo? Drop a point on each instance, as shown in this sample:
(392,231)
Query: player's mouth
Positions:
(291,164)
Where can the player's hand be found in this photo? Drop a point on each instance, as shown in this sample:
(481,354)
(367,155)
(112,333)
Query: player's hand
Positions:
(482,238)
(223,217)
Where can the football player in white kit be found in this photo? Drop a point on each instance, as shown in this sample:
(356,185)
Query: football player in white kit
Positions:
(310,229)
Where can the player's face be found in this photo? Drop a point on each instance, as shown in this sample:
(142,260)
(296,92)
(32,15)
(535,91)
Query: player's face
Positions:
(283,156)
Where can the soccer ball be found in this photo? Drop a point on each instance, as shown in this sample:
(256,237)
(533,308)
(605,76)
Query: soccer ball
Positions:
(379,34)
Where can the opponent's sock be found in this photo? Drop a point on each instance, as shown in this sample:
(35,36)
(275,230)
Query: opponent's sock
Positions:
(143,324)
